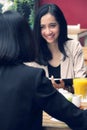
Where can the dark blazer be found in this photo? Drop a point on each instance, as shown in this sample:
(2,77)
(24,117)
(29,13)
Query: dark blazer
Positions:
(25,92)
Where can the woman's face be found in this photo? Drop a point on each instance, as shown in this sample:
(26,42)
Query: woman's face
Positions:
(49,28)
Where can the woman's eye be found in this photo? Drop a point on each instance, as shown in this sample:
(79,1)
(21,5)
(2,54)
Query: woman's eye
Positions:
(42,27)
(53,25)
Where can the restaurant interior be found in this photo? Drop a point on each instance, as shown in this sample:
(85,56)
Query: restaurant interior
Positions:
(75,13)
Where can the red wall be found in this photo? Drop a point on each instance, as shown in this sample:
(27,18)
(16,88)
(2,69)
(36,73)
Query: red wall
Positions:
(75,11)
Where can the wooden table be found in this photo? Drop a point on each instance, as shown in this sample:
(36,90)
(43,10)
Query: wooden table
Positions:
(77,34)
(50,123)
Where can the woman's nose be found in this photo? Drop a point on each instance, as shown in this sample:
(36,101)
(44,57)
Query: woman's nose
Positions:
(48,31)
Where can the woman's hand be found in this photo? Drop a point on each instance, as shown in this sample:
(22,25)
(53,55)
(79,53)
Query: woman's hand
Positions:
(59,85)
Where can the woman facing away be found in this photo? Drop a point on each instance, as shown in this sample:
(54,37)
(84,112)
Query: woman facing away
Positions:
(25,91)
(60,56)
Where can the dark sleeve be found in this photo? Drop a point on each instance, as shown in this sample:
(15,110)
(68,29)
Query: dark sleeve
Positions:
(55,104)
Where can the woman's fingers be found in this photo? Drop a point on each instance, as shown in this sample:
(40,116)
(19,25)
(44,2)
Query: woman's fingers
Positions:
(55,85)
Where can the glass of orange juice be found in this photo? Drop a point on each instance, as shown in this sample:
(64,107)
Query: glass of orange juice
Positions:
(80,87)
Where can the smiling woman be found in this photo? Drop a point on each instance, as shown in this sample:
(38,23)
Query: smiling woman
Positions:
(27,92)
(49,29)
(57,54)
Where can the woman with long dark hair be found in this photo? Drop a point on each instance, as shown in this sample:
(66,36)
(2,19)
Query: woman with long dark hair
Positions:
(60,56)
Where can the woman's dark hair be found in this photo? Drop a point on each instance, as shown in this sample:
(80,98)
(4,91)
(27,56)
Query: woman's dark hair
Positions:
(44,53)
(16,42)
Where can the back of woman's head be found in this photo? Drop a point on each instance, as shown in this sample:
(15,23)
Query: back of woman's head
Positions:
(16,43)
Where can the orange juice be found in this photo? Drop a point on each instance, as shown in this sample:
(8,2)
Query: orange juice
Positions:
(80,86)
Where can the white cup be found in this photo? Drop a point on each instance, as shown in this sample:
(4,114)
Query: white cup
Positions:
(76,100)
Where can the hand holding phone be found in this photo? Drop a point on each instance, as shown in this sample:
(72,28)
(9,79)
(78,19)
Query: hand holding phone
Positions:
(57,82)
(62,83)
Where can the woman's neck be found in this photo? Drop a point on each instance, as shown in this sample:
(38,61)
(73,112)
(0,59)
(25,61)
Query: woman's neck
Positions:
(56,55)
(53,48)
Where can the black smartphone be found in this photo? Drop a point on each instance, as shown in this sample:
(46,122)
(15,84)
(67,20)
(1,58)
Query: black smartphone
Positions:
(57,80)
(68,82)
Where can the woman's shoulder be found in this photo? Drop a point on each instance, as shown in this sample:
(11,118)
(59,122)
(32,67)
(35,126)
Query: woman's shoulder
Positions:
(73,44)
(27,69)
(72,47)
(34,64)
